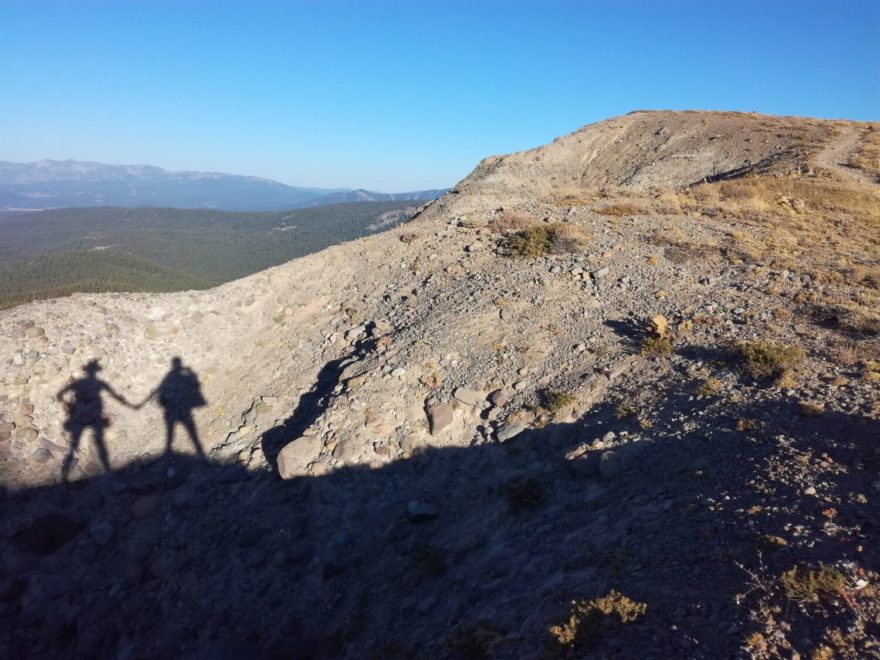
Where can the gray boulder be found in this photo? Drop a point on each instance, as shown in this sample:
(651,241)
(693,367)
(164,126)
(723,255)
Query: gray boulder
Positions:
(296,456)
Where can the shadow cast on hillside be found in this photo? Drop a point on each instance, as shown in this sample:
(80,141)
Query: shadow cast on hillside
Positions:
(311,405)
(440,555)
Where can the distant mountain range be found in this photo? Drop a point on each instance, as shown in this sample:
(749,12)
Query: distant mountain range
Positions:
(351,196)
(49,184)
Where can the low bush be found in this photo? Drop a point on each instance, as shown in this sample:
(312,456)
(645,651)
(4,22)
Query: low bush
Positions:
(770,360)
(541,240)
(805,584)
(533,242)
(710,387)
(587,618)
(557,401)
(656,346)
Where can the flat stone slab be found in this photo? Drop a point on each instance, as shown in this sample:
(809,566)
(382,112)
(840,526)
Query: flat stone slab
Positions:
(439,417)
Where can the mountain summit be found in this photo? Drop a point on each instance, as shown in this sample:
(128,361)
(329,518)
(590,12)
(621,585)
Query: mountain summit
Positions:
(616,395)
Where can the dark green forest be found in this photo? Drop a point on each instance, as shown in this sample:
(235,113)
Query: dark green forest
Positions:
(55,253)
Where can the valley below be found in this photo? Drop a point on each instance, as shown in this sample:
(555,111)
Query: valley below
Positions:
(55,253)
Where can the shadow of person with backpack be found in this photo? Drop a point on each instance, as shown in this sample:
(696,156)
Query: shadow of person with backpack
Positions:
(178,394)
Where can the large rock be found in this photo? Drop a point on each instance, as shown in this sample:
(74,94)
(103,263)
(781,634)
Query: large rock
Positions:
(509,431)
(500,397)
(468,397)
(296,456)
(439,417)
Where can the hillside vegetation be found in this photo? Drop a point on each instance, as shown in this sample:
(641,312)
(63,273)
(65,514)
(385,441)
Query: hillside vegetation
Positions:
(53,253)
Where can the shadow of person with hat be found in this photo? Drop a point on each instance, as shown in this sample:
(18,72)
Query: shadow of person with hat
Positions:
(83,403)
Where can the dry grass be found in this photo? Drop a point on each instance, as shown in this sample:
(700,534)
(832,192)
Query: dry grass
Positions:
(786,380)
(771,543)
(622,209)
(805,584)
(756,642)
(431,379)
(679,248)
(710,387)
(586,620)
(867,158)
(513,221)
(744,425)
(867,275)
(570,238)
(854,318)
(822,653)
(828,228)
(624,410)
(811,409)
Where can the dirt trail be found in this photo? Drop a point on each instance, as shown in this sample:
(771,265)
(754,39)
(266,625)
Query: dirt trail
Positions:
(837,153)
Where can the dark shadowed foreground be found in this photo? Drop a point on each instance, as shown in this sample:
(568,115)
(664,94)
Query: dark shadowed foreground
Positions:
(470,552)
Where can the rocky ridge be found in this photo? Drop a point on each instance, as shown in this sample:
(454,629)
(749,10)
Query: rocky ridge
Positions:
(467,441)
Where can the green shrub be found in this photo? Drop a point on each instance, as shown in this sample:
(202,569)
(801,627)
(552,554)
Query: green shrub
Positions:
(532,242)
(768,360)
(656,346)
(544,239)
(557,401)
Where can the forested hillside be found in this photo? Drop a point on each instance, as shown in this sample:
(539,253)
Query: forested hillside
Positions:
(54,253)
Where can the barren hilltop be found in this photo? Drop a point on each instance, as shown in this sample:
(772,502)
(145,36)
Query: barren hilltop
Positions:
(616,396)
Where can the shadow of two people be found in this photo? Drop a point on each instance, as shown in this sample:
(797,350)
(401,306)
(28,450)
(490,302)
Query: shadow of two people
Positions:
(178,394)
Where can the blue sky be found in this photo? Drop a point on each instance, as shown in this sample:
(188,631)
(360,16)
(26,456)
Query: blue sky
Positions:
(403,95)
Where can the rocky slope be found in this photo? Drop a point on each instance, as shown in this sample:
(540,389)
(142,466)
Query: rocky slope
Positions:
(639,360)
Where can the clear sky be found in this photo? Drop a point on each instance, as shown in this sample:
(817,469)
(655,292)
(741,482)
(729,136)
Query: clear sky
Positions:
(396,96)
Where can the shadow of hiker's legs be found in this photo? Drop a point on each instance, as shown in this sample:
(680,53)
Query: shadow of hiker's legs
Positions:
(190,426)
(169,431)
(98,438)
(70,458)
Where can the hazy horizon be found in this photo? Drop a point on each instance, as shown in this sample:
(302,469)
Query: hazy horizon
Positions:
(396,96)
